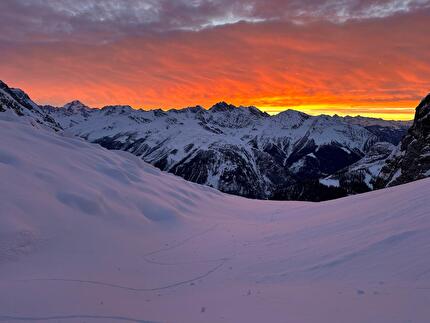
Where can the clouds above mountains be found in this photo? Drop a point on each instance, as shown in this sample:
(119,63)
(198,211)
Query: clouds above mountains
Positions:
(329,56)
(108,19)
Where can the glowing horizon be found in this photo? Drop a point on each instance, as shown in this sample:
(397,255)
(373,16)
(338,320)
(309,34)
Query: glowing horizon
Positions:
(398,110)
(354,57)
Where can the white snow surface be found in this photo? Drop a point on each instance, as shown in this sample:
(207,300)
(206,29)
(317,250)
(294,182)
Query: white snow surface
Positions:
(366,121)
(330,182)
(88,234)
(236,127)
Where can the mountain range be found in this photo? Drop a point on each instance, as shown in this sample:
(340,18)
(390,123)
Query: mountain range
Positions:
(244,151)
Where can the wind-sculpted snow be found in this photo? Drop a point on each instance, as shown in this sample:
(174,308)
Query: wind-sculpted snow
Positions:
(88,234)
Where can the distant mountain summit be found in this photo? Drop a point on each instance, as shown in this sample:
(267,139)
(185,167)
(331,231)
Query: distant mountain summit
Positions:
(76,107)
(411,161)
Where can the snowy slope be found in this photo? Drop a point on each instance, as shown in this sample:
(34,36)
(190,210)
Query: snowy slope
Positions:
(238,150)
(88,234)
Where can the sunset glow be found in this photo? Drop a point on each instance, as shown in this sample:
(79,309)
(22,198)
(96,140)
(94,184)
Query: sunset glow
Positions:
(369,57)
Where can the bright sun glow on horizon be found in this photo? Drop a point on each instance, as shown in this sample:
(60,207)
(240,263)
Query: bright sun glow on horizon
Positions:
(386,109)
(404,113)
(319,57)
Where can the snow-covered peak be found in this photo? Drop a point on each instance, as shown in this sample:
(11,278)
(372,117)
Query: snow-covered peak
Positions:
(76,106)
(20,97)
(368,122)
(222,107)
(19,103)
(254,111)
(74,109)
(24,98)
(291,118)
(230,116)
(117,109)
(194,109)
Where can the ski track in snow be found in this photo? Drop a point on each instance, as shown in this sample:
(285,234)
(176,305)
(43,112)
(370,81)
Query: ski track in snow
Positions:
(221,263)
(183,263)
(94,282)
(182,242)
(70,317)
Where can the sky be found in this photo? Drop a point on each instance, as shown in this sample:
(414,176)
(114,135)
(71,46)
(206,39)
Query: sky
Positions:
(367,57)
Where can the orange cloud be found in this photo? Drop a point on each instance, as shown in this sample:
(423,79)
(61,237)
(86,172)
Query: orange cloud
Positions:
(374,67)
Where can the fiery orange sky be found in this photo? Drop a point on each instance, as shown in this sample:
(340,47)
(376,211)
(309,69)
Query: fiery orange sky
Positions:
(345,57)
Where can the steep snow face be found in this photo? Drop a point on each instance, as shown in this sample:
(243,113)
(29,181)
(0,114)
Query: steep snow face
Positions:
(238,150)
(88,234)
(17,102)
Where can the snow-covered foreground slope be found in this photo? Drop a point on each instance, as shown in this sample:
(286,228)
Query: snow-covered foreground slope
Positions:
(88,234)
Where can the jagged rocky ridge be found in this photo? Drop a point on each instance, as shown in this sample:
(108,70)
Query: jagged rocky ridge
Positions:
(238,150)
(411,160)
(18,102)
(386,165)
